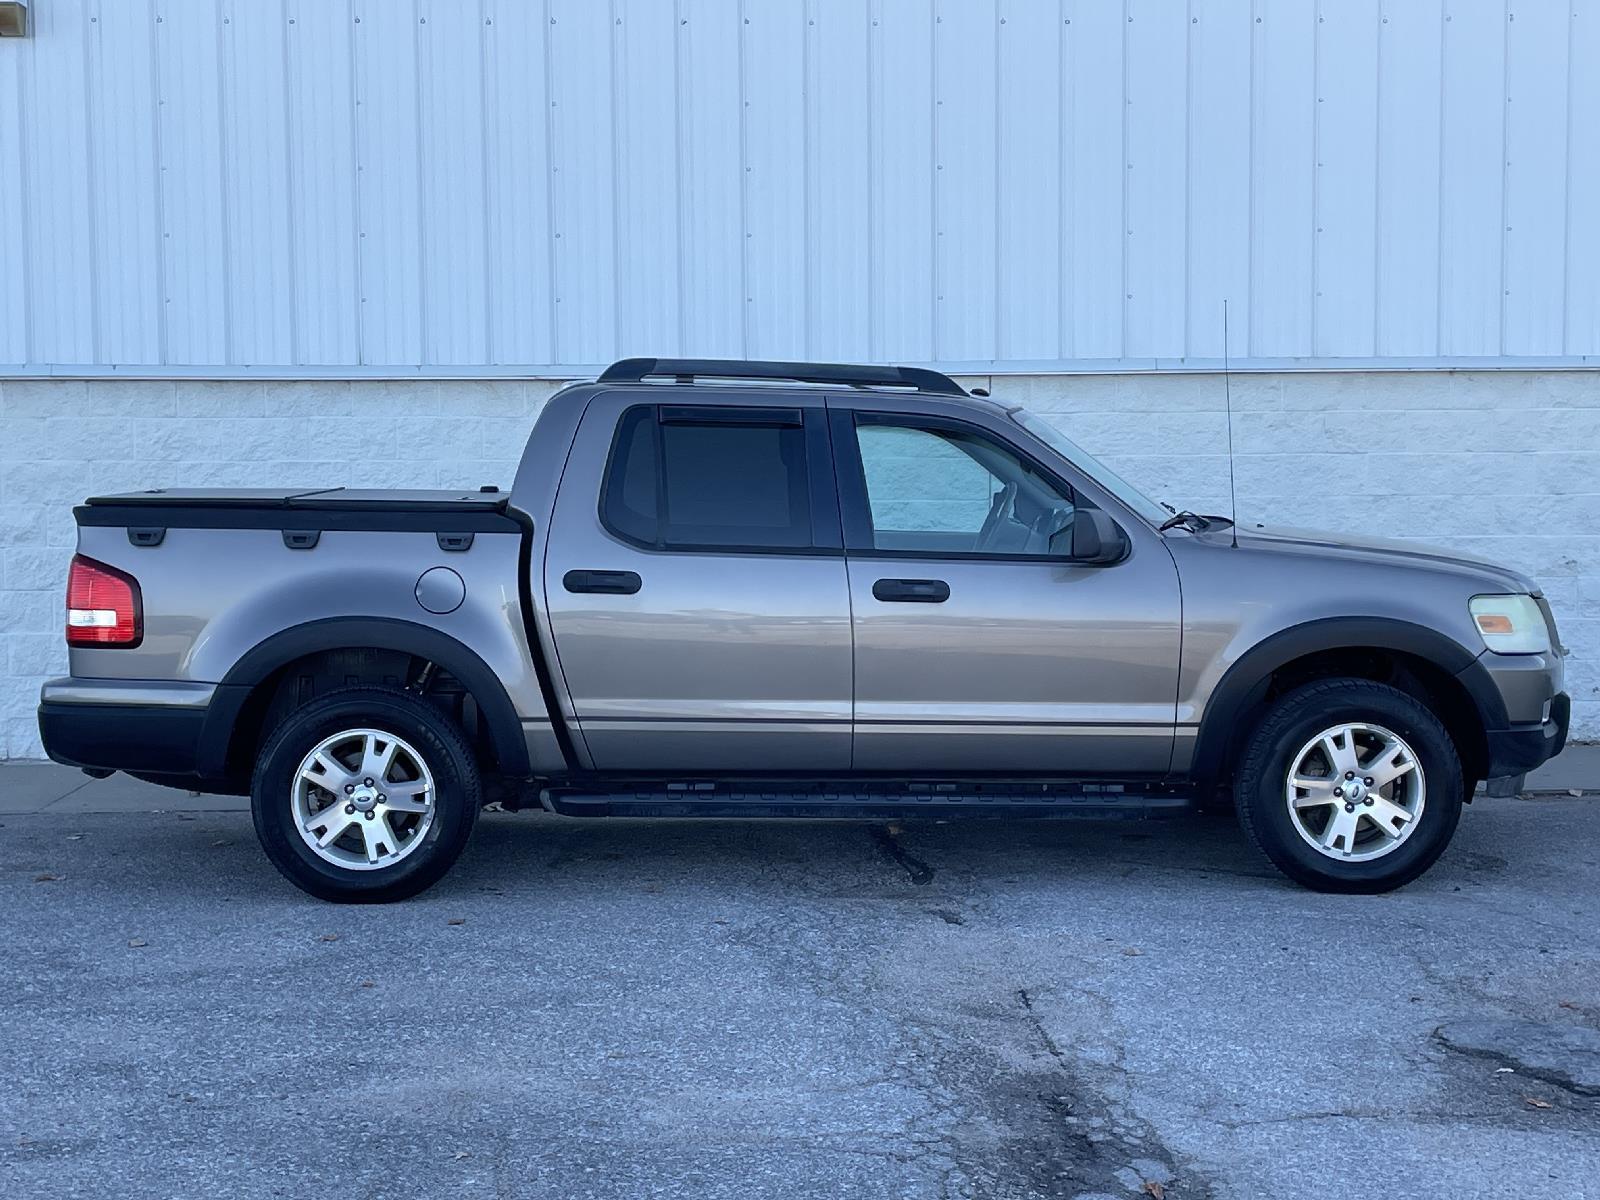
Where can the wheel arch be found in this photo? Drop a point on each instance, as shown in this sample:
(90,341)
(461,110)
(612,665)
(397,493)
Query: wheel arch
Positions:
(240,694)
(1429,662)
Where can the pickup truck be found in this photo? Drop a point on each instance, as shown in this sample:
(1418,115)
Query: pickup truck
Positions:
(739,589)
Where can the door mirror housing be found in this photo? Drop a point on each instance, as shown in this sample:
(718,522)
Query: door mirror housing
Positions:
(1093,539)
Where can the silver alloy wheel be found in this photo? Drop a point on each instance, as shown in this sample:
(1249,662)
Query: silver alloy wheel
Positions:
(1355,792)
(363,799)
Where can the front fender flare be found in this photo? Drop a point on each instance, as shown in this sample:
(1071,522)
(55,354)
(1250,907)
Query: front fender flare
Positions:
(1245,682)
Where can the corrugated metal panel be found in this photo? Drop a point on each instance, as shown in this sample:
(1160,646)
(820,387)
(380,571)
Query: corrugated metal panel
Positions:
(774,157)
(900,185)
(455,300)
(130,293)
(711,190)
(1283,179)
(583,85)
(1096,173)
(1029,178)
(521,323)
(965,179)
(1537,60)
(324,236)
(1583,184)
(194,201)
(647,179)
(1409,89)
(1218,197)
(1157,55)
(1345,291)
(256,174)
(389,180)
(57,181)
(1472,178)
(838,178)
(394,186)
(15,298)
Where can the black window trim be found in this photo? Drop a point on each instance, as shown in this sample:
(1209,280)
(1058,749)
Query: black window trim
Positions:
(827,534)
(856,509)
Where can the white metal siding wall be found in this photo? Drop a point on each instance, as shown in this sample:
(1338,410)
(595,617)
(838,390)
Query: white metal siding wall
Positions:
(381,185)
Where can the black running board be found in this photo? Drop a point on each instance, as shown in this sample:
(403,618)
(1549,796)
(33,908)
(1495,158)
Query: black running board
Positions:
(704,800)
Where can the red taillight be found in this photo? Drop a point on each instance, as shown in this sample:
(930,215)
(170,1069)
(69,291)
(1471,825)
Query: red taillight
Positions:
(103,605)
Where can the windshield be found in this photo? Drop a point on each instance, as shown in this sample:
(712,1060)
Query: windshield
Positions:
(1090,466)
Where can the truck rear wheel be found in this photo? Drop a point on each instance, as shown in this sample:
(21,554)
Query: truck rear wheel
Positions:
(1350,786)
(365,795)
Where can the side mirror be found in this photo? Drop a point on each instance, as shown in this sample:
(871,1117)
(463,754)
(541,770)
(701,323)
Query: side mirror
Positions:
(1095,538)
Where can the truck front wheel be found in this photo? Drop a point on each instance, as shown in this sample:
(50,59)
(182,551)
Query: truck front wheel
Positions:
(365,795)
(1350,786)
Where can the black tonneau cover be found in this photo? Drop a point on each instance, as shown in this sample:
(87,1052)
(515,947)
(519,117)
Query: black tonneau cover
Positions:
(431,509)
(336,499)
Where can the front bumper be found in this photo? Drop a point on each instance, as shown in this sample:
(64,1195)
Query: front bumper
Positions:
(1520,749)
(141,726)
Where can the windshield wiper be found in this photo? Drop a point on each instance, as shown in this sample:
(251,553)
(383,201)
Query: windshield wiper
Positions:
(1190,520)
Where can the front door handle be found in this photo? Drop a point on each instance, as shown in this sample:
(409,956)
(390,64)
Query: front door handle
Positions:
(912,591)
(613,583)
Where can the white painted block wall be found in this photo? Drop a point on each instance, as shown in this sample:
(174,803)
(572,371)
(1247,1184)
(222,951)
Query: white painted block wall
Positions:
(1504,464)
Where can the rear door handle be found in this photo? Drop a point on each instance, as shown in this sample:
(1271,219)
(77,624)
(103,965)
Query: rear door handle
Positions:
(614,583)
(911,591)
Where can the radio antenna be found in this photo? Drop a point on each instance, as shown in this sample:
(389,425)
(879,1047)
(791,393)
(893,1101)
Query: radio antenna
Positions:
(1227,400)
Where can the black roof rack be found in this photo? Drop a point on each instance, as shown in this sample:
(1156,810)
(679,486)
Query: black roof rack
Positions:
(685,370)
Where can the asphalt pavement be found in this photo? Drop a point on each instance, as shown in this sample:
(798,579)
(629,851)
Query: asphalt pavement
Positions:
(798,1009)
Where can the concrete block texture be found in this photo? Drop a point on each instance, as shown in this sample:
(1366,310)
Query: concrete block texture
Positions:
(1504,464)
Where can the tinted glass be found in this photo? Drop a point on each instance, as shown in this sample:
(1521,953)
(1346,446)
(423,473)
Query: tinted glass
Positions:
(685,484)
(630,490)
(939,491)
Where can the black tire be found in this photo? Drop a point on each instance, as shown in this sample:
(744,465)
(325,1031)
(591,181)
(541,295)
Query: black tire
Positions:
(457,794)
(1293,720)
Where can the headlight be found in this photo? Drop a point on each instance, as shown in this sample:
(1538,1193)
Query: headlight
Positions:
(1511,624)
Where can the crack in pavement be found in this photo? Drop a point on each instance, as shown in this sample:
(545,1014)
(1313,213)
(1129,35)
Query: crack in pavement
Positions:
(888,843)
(1572,1053)
(1068,1138)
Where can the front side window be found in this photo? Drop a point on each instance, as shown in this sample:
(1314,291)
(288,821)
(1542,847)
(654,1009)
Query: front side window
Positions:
(948,491)
(737,481)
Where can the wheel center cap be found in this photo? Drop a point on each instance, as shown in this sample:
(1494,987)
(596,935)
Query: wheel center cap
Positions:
(364,797)
(1353,790)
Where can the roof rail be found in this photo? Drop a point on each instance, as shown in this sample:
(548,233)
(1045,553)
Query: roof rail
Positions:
(684,370)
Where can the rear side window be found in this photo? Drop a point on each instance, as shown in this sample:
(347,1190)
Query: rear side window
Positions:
(735,480)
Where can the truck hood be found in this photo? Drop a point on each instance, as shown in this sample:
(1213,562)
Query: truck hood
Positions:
(1385,550)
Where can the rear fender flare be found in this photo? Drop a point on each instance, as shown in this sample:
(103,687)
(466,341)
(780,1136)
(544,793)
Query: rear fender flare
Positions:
(378,633)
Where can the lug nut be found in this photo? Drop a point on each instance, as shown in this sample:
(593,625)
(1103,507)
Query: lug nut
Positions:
(1367,781)
(382,799)
(1368,801)
(348,788)
(1347,775)
(367,814)
(350,808)
(1347,808)
(368,782)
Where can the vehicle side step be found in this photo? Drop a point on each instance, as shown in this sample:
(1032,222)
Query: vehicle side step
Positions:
(976,801)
